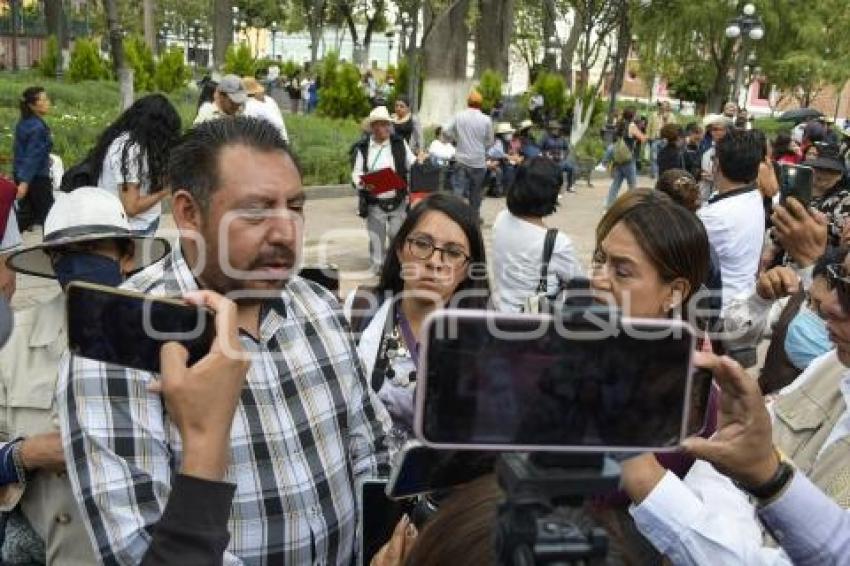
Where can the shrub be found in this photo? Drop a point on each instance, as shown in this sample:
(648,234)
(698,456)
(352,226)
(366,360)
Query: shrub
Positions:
(490,87)
(86,63)
(239,61)
(52,58)
(171,72)
(554,91)
(341,94)
(140,59)
(289,69)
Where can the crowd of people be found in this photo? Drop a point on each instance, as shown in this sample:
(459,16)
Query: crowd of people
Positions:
(254,453)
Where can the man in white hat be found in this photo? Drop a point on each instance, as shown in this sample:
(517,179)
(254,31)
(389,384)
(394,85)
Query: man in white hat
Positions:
(260,105)
(230,97)
(384,212)
(86,238)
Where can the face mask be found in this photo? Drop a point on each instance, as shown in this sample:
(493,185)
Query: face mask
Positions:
(92,268)
(806,338)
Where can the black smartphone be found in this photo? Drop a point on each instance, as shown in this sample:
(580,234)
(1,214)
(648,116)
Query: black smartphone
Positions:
(128,329)
(497,381)
(421,469)
(797,181)
(379,516)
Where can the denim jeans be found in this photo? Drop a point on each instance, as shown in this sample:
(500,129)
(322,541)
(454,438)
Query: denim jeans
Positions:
(469,180)
(626,172)
(568,168)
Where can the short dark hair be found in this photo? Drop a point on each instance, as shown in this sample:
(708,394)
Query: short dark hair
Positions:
(28,98)
(692,128)
(739,155)
(193,165)
(535,188)
(670,132)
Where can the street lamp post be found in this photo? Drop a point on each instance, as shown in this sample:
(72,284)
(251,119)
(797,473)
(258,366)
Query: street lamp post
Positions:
(274,36)
(389,35)
(196,30)
(235,24)
(749,28)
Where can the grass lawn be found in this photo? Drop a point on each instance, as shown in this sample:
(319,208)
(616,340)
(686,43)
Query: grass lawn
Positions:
(81,111)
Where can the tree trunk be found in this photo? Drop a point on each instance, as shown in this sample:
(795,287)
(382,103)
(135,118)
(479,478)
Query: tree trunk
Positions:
(444,61)
(149,20)
(717,94)
(549,17)
(568,49)
(491,50)
(116,47)
(53,15)
(222,30)
(315,22)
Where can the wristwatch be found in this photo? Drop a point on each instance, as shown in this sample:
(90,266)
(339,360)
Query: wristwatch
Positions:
(773,487)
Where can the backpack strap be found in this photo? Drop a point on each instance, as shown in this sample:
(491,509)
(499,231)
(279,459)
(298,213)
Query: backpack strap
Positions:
(548,248)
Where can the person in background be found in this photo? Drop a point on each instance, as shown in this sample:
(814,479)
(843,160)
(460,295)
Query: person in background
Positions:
(519,234)
(130,156)
(293,91)
(734,217)
(305,93)
(436,260)
(306,394)
(730,111)
(31,165)
(473,133)
(207,88)
(767,181)
(524,138)
(556,147)
(785,150)
(502,160)
(406,125)
(259,105)
(718,126)
(691,152)
(658,119)
(86,238)
(441,151)
(230,98)
(670,156)
(630,134)
(386,211)
(313,101)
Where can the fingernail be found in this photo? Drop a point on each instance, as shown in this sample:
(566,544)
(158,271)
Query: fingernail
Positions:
(411,531)
(405,519)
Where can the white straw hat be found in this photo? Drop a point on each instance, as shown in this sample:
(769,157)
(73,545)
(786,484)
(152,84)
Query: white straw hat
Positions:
(84,215)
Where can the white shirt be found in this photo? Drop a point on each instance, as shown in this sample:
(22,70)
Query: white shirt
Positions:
(518,259)
(112,176)
(735,225)
(268,110)
(705,519)
(12,235)
(379,156)
(441,150)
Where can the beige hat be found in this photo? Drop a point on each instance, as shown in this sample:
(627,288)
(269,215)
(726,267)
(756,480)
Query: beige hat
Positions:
(253,86)
(84,215)
(504,128)
(525,125)
(378,114)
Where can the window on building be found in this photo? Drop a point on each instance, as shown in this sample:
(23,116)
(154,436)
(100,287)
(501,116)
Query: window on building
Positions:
(764,90)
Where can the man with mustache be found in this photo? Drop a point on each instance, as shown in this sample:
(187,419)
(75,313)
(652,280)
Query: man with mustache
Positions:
(306,428)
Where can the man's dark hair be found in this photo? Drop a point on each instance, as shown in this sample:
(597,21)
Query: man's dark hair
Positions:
(193,165)
(535,188)
(692,128)
(739,154)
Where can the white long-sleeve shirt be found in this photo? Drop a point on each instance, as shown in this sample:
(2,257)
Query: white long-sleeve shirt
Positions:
(268,110)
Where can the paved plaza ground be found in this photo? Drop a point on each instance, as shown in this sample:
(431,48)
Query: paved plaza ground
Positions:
(334,234)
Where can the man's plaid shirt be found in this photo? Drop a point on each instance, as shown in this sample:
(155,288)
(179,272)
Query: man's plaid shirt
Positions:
(307,428)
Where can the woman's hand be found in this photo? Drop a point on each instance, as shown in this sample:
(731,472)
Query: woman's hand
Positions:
(23,189)
(397,550)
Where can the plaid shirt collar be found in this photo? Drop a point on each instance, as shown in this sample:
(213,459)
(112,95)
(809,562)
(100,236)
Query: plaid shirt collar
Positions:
(180,279)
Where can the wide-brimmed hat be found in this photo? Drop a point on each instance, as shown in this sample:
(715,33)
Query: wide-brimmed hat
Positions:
(84,215)
(829,157)
(525,125)
(253,86)
(504,128)
(232,86)
(378,114)
(716,120)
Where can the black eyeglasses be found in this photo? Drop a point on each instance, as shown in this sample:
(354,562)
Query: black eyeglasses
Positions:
(837,279)
(424,248)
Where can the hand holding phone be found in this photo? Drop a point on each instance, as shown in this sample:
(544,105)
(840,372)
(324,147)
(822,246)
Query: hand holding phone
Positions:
(202,399)
(801,232)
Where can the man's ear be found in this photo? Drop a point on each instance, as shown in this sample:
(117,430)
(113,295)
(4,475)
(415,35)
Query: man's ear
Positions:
(127,262)
(186,212)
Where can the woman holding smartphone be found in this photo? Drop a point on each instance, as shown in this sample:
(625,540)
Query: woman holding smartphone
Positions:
(436,260)
(648,272)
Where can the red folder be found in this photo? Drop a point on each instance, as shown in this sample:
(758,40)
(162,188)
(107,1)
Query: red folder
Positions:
(8,192)
(382,181)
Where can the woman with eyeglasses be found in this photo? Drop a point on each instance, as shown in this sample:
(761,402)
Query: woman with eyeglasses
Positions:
(436,260)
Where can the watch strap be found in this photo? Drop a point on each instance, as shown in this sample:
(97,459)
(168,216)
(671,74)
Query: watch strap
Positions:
(775,485)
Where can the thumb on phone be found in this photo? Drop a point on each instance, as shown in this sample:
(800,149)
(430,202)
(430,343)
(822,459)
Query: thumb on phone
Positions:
(173,363)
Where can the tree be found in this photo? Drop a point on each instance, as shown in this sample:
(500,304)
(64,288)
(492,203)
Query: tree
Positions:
(491,49)
(372,12)
(149,23)
(222,29)
(116,47)
(526,40)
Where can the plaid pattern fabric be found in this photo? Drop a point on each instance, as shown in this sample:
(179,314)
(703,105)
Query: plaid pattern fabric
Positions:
(307,428)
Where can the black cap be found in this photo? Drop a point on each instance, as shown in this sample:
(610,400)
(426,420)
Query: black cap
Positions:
(829,157)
